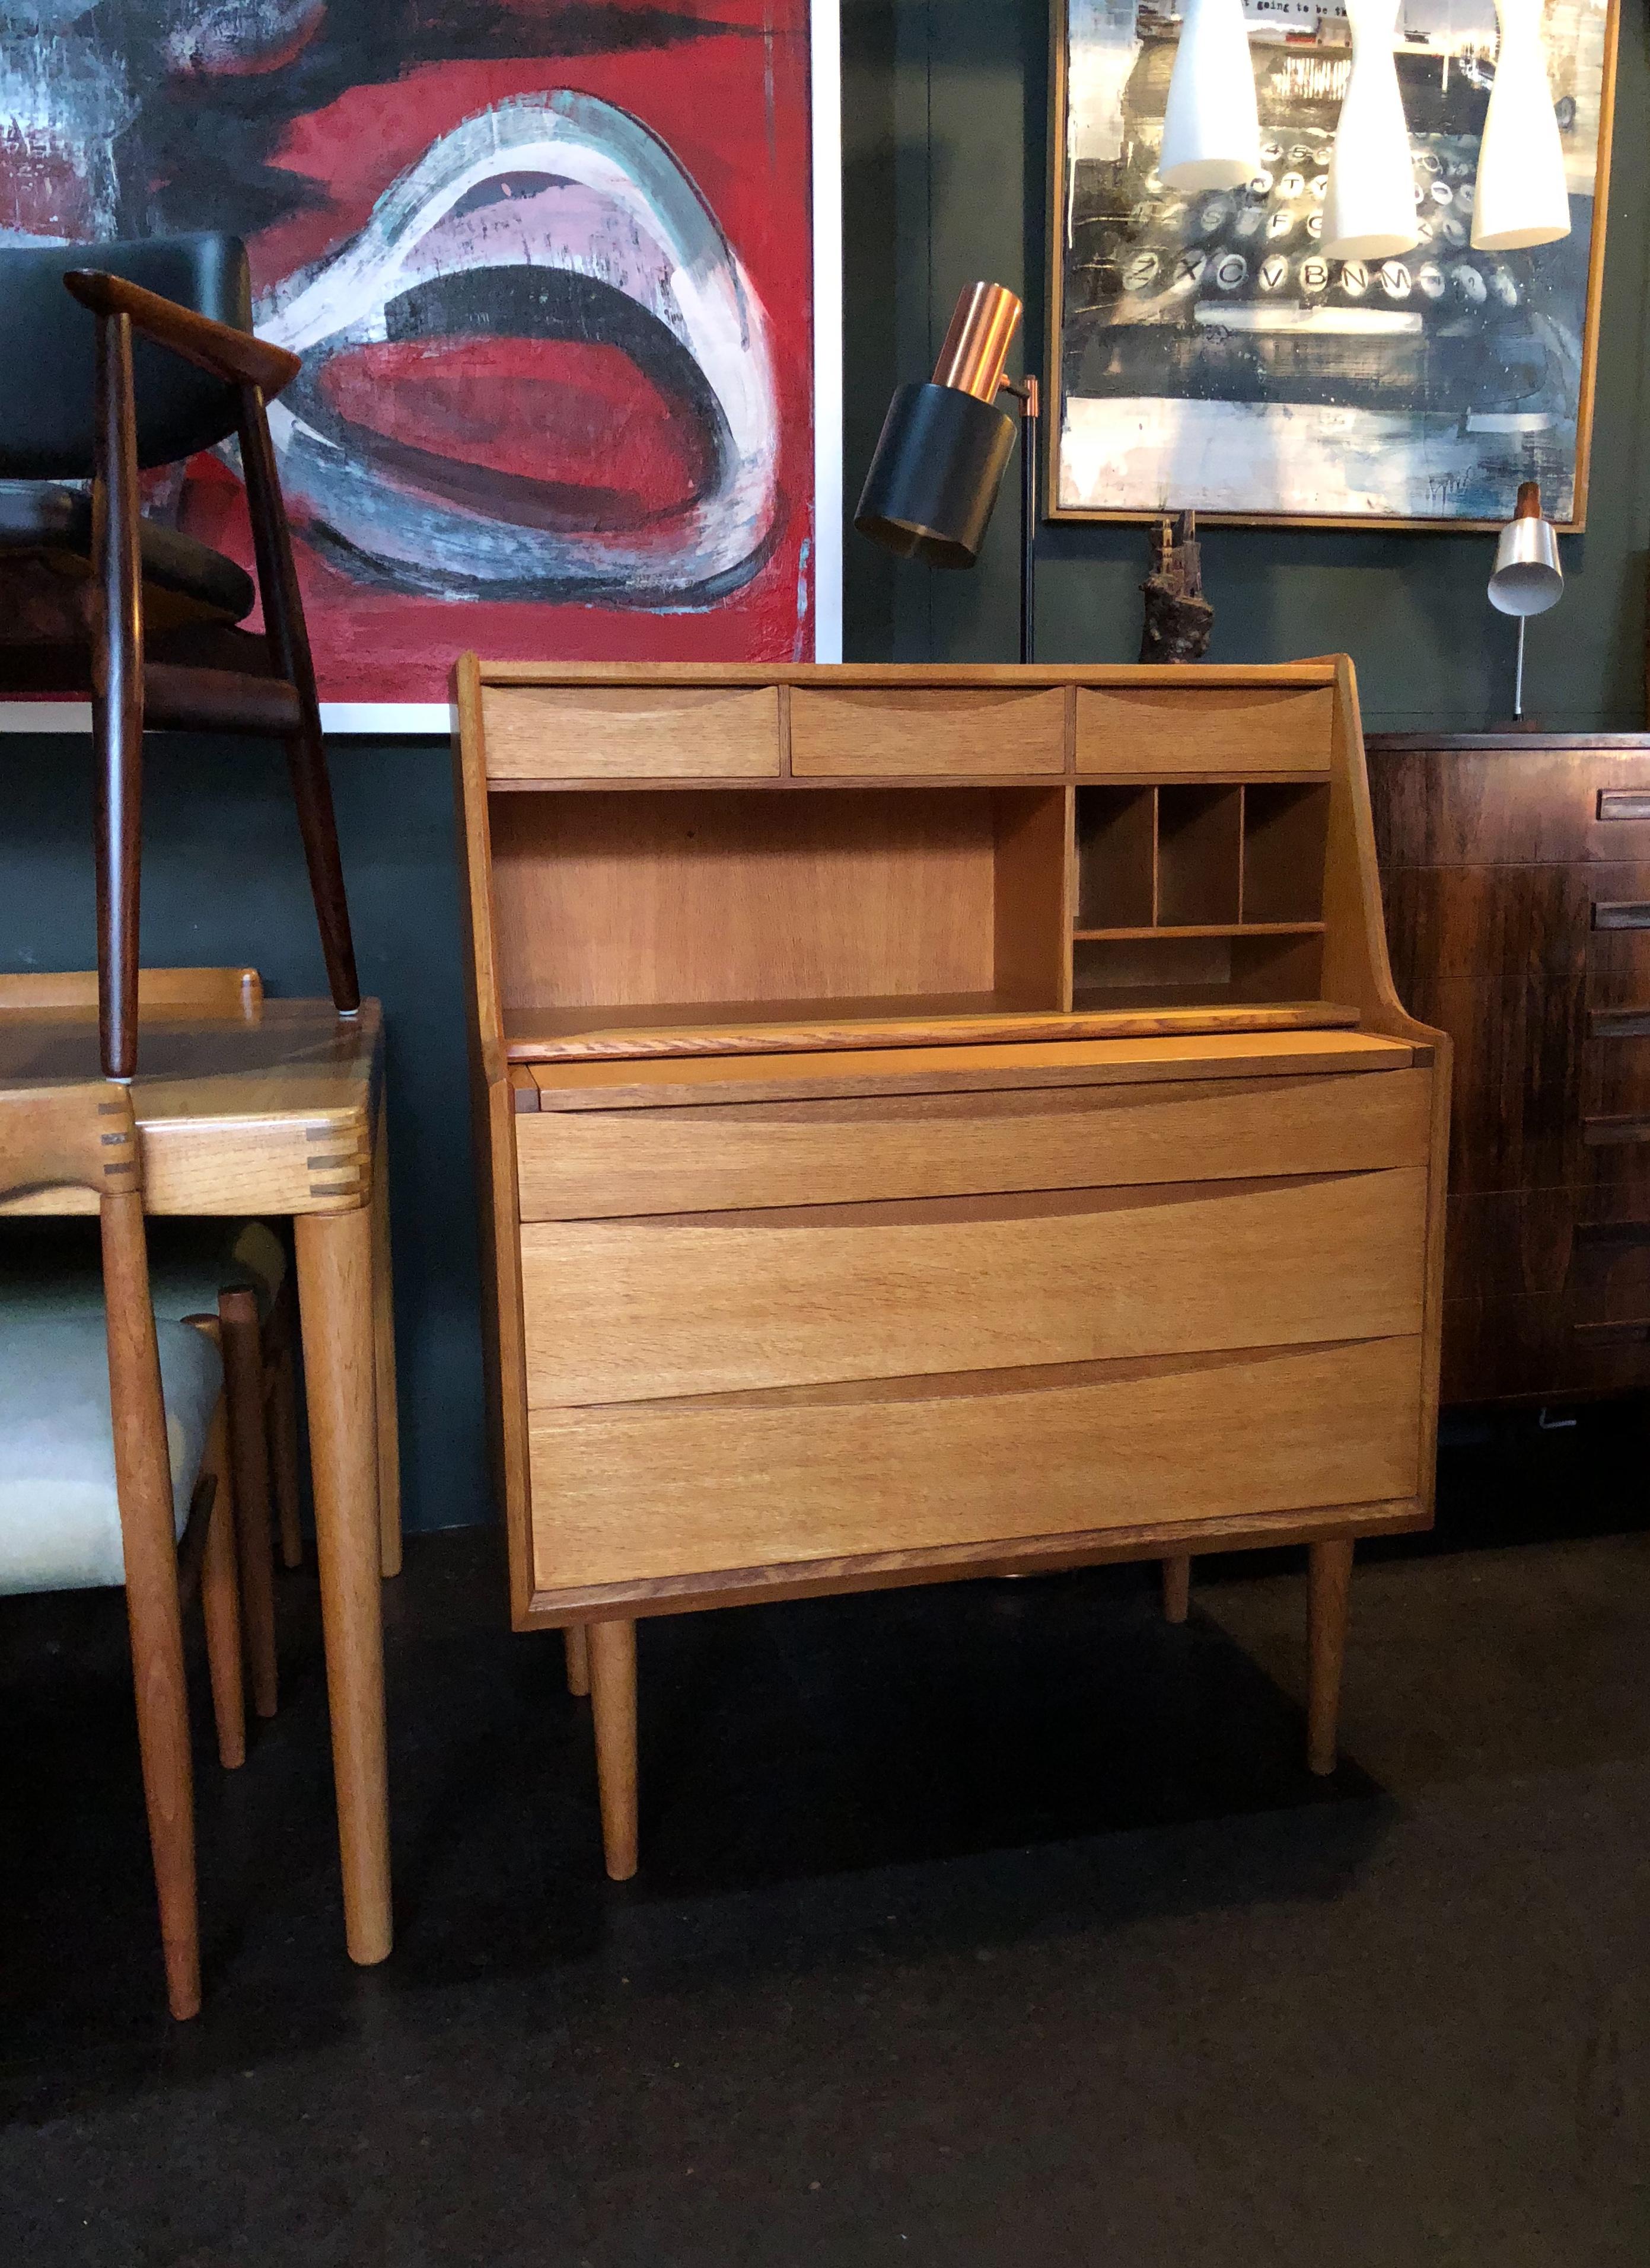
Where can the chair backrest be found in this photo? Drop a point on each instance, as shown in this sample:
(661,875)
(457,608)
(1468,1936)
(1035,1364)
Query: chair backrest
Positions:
(198,991)
(47,370)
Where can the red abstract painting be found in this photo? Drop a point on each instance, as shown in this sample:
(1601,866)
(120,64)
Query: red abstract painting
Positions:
(549,267)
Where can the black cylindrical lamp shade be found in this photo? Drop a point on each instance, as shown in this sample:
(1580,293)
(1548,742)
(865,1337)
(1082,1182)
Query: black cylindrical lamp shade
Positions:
(935,476)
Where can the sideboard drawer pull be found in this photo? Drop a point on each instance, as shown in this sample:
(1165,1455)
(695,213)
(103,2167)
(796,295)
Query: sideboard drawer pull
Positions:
(1621,913)
(1624,802)
(1603,1133)
(1619,1023)
(1612,1235)
(1634,1334)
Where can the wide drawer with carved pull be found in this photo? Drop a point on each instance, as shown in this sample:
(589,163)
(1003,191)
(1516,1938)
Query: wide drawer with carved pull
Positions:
(587,1163)
(663,1490)
(686,1304)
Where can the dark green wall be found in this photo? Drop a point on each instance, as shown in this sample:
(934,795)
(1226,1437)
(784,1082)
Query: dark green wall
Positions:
(223,883)
(945,131)
(944,126)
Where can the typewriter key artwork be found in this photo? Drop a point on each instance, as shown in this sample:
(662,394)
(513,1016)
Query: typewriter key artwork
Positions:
(550,265)
(1206,353)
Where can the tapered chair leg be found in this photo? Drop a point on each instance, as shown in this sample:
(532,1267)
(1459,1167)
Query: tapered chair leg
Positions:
(243,1388)
(384,1363)
(153,1609)
(577,1647)
(1328,1598)
(1177,1586)
(220,1604)
(613,1702)
(281,1409)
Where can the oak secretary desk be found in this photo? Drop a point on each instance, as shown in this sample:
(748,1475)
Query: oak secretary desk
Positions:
(937,1122)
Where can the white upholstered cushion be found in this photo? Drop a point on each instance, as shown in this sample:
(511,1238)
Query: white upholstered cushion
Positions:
(59,1519)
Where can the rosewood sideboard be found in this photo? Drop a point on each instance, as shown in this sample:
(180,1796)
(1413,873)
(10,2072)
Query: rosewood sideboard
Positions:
(933,1122)
(1516,869)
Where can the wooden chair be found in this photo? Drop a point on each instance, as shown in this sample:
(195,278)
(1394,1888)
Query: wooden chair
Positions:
(113,1469)
(235,1269)
(95,598)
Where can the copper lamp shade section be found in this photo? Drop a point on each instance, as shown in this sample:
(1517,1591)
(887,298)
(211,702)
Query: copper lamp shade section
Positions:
(944,447)
(975,351)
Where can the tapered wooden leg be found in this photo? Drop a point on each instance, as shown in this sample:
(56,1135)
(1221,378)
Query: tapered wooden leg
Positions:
(220,1604)
(334,1283)
(282,1430)
(153,1611)
(242,1342)
(1329,1583)
(578,1659)
(1177,1586)
(384,1345)
(613,1701)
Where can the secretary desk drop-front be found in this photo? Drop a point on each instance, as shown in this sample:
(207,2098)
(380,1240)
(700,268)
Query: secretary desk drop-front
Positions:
(937,1123)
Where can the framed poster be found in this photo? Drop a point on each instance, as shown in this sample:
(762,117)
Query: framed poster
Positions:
(1205,354)
(566,282)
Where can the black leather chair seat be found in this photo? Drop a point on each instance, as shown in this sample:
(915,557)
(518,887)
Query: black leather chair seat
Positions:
(198,583)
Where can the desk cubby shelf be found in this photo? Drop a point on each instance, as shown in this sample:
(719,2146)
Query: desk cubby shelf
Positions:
(808,860)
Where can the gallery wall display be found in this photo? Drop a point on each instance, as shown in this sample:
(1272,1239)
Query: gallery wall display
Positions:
(556,273)
(1208,353)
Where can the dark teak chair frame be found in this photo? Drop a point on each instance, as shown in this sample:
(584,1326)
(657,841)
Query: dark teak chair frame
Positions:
(129,692)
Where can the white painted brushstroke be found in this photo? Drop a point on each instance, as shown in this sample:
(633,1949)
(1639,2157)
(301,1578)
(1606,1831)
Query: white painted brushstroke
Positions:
(1293,460)
(616,208)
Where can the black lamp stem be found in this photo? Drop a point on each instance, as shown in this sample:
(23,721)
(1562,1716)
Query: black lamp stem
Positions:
(1025,388)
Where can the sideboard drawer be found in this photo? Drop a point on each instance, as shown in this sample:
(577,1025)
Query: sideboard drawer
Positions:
(1517,804)
(656,731)
(887,732)
(652,1490)
(618,1311)
(588,1164)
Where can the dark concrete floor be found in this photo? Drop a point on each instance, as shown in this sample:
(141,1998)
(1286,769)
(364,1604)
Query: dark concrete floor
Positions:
(993,1924)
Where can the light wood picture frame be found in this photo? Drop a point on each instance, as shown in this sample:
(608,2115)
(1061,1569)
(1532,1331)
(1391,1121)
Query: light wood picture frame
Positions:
(1203,356)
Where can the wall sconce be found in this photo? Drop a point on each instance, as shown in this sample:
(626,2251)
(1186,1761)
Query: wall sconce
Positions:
(1528,577)
(944,447)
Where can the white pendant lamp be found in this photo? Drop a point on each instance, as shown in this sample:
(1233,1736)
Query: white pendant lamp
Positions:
(1522,198)
(1369,207)
(1212,134)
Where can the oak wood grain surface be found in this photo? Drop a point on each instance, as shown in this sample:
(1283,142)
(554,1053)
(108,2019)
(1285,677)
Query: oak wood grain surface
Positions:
(573,1165)
(652,1490)
(682,1305)
(606,1086)
(809,1027)
(847,731)
(621,732)
(265,1113)
(1204,726)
